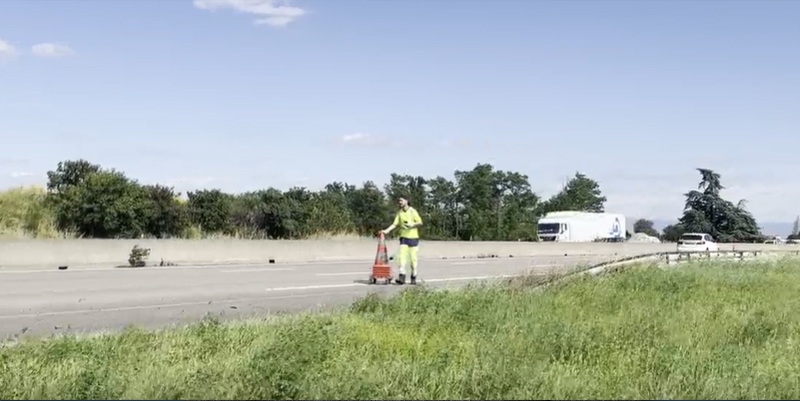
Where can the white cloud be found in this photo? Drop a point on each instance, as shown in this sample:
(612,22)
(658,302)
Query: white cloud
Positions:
(52,50)
(7,51)
(7,161)
(271,12)
(360,138)
(357,137)
(21,174)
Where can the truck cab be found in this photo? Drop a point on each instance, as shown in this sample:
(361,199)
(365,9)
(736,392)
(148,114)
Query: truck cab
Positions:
(553,231)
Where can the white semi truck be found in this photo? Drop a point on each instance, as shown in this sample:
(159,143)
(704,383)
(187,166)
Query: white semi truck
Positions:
(571,226)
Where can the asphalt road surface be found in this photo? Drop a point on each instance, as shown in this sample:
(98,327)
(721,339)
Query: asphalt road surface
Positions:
(48,301)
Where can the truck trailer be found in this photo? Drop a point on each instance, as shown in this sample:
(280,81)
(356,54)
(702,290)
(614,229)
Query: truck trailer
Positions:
(569,226)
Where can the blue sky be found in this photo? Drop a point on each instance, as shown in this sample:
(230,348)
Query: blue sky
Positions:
(246,94)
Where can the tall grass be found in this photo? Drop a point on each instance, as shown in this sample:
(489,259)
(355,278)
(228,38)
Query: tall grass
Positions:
(24,214)
(700,331)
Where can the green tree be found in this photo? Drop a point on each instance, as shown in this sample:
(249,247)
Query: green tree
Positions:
(646,227)
(442,214)
(494,205)
(285,213)
(105,204)
(672,232)
(328,213)
(795,229)
(581,194)
(413,188)
(478,193)
(69,174)
(168,217)
(210,210)
(518,206)
(369,208)
(707,212)
(245,218)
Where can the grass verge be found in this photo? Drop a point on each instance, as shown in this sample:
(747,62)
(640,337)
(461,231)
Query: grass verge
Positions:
(703,331)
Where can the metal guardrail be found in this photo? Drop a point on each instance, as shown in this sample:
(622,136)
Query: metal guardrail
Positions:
(678,257)
(663,257)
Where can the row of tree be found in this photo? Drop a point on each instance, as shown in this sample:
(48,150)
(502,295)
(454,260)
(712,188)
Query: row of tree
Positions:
(479,204)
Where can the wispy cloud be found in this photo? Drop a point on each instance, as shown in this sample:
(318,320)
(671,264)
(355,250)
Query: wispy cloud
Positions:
(8,161)
(7,51)
(21,174)
(457,143)
(52,50)
(270,12)
(365,139)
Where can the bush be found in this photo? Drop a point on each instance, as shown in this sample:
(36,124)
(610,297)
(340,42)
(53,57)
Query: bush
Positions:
(138,256)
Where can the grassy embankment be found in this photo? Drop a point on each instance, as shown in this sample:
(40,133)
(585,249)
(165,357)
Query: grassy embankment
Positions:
(24,215)
(704,331)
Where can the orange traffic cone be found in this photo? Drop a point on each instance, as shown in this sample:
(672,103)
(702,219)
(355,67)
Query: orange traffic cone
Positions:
(381,268)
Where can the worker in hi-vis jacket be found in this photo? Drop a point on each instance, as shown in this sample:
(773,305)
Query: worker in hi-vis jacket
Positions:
(407,220)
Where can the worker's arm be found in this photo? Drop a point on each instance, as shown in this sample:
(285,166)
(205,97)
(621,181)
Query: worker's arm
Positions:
(394,224)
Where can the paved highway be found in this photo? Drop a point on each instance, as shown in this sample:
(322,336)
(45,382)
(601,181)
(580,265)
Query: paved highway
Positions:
(36,302)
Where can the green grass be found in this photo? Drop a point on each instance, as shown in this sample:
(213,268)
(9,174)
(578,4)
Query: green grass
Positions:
(24,214)
(699,331)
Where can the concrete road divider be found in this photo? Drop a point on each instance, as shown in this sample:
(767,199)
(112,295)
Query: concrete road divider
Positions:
(190,252)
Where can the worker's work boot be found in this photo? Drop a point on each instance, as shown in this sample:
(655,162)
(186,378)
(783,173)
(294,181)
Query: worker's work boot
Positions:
(413,280)
(401,279)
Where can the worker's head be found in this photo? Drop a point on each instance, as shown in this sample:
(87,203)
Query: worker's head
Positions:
(402,202)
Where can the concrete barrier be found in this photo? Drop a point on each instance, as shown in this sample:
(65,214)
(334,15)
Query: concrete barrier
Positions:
(187,252)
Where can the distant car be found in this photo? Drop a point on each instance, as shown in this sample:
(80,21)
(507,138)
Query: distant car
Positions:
(697,242)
